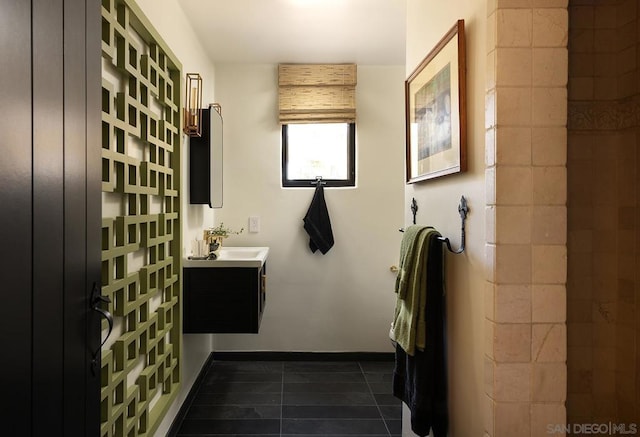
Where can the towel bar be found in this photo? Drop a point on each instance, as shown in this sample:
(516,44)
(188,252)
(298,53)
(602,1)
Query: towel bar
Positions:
(463,210)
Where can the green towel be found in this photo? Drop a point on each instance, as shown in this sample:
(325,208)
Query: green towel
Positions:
(407,257)
(411,287)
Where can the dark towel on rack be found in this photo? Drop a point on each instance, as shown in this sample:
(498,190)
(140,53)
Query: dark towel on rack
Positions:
(420,381)
(317,223)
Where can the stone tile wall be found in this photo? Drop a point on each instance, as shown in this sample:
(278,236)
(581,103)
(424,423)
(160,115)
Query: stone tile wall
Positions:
(526,254)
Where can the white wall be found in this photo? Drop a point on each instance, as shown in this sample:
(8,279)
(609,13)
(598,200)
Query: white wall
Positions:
(344,300)
(427,22)
(169,20)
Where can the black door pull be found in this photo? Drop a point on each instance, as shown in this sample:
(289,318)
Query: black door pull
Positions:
(97,300)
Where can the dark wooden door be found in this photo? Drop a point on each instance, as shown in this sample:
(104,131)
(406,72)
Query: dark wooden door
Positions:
(49,216)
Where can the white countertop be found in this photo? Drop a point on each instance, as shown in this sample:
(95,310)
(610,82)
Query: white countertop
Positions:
(232,257)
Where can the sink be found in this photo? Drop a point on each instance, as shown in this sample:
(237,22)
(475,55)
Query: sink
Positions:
(239,253)
(232,257)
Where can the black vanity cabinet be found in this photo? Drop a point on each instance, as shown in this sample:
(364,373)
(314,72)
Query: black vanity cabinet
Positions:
(223,299)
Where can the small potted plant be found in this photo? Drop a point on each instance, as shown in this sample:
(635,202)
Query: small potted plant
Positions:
(215,236)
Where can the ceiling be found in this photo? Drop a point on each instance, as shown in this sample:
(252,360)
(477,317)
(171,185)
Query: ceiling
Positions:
(366,32)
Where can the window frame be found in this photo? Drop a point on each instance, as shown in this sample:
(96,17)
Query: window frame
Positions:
(306,183)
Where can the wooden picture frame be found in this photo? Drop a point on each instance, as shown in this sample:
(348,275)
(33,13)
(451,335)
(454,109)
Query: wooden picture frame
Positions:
(435,111)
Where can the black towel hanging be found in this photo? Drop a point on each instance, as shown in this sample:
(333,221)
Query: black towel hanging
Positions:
(317,222)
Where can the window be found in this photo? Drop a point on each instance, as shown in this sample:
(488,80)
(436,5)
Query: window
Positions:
(317,111)
(318,149)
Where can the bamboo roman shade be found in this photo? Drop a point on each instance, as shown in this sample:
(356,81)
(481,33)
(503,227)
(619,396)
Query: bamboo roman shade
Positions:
(317,93)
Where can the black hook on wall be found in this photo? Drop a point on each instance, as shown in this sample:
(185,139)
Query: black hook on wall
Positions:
(463,210)
(414,209)
(318,181)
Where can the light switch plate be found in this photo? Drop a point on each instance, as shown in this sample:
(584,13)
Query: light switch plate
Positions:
(254,224)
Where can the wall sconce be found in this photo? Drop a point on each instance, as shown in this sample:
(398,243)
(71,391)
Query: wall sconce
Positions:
(193,107)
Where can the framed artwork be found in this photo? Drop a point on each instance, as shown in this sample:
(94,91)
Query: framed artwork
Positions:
(435,105)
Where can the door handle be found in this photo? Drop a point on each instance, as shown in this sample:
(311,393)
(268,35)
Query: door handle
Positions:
(97,300)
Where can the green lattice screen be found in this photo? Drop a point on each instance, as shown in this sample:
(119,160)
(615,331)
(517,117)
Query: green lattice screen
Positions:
(141,245)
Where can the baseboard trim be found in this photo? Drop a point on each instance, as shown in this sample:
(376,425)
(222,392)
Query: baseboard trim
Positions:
(304,356)
(182,413)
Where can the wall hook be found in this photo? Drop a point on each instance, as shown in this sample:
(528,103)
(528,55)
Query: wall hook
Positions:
(463,210)
(414,209)
(318,181)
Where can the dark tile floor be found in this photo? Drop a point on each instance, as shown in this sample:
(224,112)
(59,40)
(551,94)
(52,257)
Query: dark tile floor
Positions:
(294,398)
